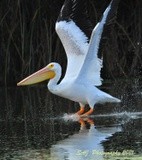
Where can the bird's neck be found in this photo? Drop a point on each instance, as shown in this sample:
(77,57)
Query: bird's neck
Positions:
(53,83)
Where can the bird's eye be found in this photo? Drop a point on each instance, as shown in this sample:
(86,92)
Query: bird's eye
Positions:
(52,65)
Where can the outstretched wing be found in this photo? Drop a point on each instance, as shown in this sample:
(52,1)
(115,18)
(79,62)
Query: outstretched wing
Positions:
(92,64)
(74,30)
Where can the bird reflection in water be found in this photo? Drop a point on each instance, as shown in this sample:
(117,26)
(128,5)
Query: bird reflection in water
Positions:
(84,145)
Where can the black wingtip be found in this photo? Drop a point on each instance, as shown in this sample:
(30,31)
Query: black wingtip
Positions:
(76,10)
(66,10)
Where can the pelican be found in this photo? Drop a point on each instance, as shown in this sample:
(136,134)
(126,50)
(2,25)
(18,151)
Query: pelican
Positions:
(83,62)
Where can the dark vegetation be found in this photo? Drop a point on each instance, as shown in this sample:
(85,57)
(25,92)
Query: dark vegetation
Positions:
(28,40)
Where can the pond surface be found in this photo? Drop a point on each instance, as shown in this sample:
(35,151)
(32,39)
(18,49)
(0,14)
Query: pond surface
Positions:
(36,125)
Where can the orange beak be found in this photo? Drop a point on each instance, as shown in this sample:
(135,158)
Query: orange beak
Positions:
(39,76)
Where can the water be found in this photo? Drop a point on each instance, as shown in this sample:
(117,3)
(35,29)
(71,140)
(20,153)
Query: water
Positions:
(36,125)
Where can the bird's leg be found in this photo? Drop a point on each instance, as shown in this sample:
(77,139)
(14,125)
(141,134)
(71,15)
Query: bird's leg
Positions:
(87,113)
(90,121)
(81,121)
(81,109)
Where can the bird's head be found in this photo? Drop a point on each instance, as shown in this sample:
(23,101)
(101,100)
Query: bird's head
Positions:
(43,74)
(53,66)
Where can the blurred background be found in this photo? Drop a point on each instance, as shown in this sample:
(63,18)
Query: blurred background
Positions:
(32,121)
(28,40)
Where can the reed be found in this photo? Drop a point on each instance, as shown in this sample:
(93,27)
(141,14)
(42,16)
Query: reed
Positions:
(28,40)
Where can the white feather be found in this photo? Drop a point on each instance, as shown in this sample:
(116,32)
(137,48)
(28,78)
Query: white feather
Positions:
(82,58)
(92,64)
(75,45)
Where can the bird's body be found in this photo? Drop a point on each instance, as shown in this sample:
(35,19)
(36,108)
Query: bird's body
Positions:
(83,92)
(84,64)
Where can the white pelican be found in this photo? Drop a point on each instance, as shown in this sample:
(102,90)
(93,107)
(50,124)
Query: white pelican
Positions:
(83,63)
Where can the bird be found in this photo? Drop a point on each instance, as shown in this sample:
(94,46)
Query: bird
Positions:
(81,44)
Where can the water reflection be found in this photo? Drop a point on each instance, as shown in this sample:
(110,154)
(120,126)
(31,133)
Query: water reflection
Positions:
(86,144)
(32,125)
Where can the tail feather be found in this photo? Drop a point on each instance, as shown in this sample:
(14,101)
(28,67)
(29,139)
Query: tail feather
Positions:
(105,97)
(112,99)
